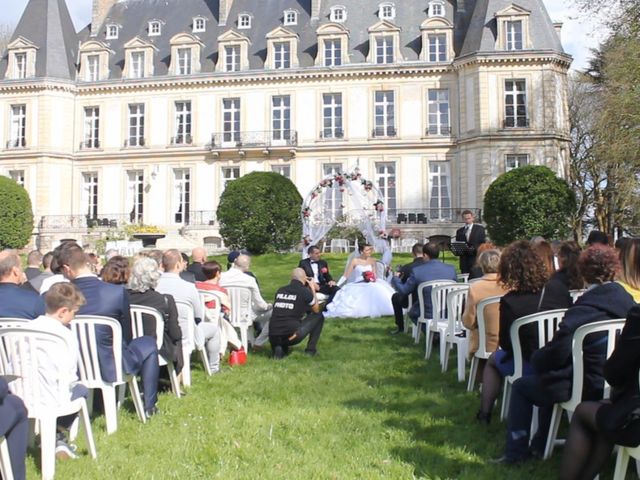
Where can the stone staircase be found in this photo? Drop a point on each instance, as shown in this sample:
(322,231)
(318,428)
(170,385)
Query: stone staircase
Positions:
(174,239)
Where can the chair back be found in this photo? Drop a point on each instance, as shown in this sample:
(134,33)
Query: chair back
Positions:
(482,325)
(84,326)
(137,322)
(612,328)
(463,278)
(456,300)
(187,322)
(431,284)
(241,306)
(439,299)
(211,314)
(576,294)
(547,324)
(381,270)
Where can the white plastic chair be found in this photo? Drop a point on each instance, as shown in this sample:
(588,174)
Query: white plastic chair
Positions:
(19,345)
(463,278)
(481,353)
(547,324)
(207,296)
(339,245)
(84,326)
(612,328)
(137,330)
(405,313)
(416,329)
(5,460)
(381,270)
(439,323)
(576,294)
(187,321)
(241,312)
(622,459)
(456,335)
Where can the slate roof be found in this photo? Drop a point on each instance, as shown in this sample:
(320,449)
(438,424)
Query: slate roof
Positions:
(474,29)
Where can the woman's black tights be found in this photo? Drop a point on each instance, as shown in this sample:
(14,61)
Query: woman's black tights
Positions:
(491,383)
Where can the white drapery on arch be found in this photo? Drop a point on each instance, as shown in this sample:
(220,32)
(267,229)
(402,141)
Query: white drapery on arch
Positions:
(363,204)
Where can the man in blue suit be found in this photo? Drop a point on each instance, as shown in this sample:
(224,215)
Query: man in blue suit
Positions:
(140,355)
(430,269)
(15,301)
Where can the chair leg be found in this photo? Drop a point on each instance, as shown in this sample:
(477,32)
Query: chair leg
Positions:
(186,369)
(137,398)
(443,344)
(88,431)
(110,409)
(205,361)
(5,460)
(556,417)
(244,337)
(48,447)
(444,358)
(622,462)
(462,363)
(473,371)
(506,398)
(429,343)
(173,378)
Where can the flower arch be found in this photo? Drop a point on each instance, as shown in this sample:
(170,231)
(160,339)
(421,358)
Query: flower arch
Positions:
(362,206)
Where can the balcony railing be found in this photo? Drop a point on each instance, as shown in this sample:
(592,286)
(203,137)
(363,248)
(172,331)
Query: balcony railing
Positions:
(437,131)
(261,139)
(381,132)
(134,142)
(107,220)
(89,144)
(331,134)
(202,217)
(432,215)
(186,139)
(17,143)
(516,122)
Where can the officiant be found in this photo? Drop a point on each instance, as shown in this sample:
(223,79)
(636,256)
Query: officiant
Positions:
(473,235)
(318,270)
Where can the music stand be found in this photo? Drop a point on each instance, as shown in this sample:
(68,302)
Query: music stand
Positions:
(442,241)
(460,248)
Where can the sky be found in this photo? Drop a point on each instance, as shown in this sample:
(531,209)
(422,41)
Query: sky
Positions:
(579,32)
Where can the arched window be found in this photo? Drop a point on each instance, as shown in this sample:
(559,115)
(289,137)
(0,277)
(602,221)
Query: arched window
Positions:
(112,31)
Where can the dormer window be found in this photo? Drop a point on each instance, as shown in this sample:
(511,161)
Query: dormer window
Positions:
(387,11)
(112,31)
(244,21)
(21,55)
(514,34)
(290,17)
(513,29)
(436,9)
(338,14)
(199,25)
(20,63)
(155,28)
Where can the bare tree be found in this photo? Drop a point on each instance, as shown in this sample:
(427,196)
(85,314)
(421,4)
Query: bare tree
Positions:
(6,31)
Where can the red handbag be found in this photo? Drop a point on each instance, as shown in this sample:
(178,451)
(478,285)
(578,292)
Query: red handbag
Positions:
(238,357)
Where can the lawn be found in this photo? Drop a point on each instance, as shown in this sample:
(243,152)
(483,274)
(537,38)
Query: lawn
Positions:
(368,406)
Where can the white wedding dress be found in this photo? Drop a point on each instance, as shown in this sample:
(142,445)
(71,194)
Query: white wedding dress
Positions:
(359,299)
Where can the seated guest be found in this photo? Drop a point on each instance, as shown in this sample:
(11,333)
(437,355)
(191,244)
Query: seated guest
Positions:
(296,315)
(116,271)
(207,334)
(629,274)
(476,271)
(260,310)
(59,366)
(556,291)
(231,259)
(185,274)
(56,270)
(401,300)
(551,383)
(597,426)
(543,249)
(430,269)
(318,270)
(36,282)
(597,237)
(139,355)
(34,259)
(523,274)
(16,302)
(143,280)
(14,427)
(486,286)
(198,257)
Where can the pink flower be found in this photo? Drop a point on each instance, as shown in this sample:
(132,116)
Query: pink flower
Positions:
(324,270)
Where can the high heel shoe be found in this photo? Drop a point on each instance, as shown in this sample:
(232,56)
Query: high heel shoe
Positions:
(484,418)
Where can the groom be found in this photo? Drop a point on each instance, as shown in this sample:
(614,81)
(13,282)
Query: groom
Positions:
(318,270)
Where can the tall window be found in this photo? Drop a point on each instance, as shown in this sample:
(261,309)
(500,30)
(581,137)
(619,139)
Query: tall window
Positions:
(439,191)
(89,200)
(135,195)
(284,170)
(281,55)
(228,174)
(386,182)
(438,47)
(333,52)
(184,61)
(183,123)
(438,105)
(20,59)
(18,126)
(93,68)
(332,115)
(513,161)
(333,205)
(231,120)
(281,117)
(384,49)
(385,123)
(232,58)
(136,125)
(181,195)
(17,176)
(514,34)
(137,65)
(515,104)
(91,127)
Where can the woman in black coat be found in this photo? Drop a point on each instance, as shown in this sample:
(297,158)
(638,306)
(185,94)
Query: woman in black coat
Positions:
(597,426)
(567,277)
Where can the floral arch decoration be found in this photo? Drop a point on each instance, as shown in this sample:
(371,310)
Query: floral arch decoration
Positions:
(362,207)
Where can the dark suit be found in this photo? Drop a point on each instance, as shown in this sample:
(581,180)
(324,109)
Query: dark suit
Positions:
(139,356)
(20,302)
(14,426)
(196,269)
(324,277)
(401,300)
(476,238)
(188,276)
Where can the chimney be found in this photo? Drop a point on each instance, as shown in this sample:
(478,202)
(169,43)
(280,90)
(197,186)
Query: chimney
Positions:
(225,8)
(315,9)
(558,27)
(99,13)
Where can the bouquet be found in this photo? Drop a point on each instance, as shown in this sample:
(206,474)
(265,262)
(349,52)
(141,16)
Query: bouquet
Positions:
(369,277)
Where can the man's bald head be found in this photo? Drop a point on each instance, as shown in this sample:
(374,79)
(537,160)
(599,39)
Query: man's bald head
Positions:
(199,255)
(10,267)
(243,262)
(298,274)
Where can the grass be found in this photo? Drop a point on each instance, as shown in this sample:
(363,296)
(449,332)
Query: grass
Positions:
(367,407)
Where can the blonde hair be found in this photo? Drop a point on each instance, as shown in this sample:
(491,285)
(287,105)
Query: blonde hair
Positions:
(630,263)
(63,294)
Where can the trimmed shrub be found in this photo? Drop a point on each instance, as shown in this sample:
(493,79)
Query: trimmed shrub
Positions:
(260,212)
(16,217)
(526,202)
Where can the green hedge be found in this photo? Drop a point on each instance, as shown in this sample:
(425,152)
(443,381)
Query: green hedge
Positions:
(16,217)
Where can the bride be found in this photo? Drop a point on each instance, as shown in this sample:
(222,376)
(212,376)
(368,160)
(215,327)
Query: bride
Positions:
(359,298)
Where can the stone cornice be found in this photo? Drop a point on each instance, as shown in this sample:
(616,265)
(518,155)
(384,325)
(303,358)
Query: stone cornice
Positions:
(525,56)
